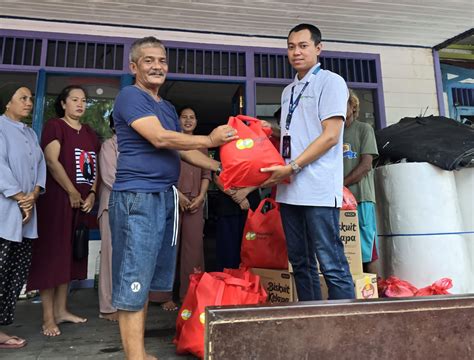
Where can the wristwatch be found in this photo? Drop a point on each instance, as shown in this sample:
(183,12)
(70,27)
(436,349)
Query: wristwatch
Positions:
(295,167)
(219,169)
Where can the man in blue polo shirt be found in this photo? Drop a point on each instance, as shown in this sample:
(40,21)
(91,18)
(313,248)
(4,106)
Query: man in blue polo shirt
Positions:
(143,205)
(312,120)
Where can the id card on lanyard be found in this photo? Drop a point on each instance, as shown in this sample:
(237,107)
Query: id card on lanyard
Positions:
(286,144)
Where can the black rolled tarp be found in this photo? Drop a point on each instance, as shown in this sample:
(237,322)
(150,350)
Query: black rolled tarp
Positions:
(437,140)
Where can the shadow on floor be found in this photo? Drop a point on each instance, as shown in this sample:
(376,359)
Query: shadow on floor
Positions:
(96,339)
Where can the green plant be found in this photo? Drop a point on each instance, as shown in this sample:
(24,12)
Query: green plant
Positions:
(96,115)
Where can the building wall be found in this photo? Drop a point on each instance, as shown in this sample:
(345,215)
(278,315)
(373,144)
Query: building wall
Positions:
(407,73)
(408,79)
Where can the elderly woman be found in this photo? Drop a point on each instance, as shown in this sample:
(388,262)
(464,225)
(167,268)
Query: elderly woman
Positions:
(22,179)
(71,150)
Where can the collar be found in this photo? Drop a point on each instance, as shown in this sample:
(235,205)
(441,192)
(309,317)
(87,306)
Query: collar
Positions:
(150,95)
(17,124)
(307,76)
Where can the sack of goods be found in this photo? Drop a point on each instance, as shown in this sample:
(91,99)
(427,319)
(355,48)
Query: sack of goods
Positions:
(439,287)
(263,242)
(395,287)
(231,287)
(243,158)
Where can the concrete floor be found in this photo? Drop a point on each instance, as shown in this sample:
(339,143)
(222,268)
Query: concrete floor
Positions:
(96,339)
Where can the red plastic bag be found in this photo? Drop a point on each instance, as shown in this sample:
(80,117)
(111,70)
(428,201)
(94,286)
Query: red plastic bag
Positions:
(439,287)
(211,289)
(395,287)
(242,159)
(256,292)
(189,303)
(263,242)
(349,201)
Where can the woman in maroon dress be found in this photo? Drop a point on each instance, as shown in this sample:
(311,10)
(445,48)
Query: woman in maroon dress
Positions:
(70,149)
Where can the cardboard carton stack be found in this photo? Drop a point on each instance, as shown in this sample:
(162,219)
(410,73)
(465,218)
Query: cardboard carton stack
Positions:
(365,284)
(280,284)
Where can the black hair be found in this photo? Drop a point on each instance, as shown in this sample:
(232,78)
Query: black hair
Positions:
(277,114)
(58,106)
(6,94)
(111,121)
(182,108)
(315,32)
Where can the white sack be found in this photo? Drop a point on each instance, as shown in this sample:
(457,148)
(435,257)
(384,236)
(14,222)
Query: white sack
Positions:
(415,202)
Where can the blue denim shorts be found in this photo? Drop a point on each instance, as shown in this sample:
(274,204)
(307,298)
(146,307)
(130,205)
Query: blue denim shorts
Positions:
(144,232)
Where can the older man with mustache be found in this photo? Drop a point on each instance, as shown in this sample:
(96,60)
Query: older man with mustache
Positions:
(143,205)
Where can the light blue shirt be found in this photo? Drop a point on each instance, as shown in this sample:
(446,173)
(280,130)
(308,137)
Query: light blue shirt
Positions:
(22,167)
(319,183)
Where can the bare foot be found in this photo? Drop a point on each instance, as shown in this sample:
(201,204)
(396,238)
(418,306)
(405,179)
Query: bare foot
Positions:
(169,306)
(51,329)
(67,317)
(109,316)
(151,357)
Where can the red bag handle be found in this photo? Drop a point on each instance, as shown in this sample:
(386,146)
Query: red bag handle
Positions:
(264,201)
(237,282)
(229,281)
(247,118)
(254,124)
(220,294)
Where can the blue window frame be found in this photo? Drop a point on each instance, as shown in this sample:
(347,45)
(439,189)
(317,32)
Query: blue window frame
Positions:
(98,55)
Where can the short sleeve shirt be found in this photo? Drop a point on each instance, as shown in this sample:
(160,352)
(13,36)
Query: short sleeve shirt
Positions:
(319,183)
(359,139)
(141,167)
(191,177)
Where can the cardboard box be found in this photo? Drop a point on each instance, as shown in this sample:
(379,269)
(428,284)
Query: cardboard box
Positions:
(350,236)
(279,284)
(365,286)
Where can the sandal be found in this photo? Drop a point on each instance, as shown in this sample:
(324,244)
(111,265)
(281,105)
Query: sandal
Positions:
(13,342)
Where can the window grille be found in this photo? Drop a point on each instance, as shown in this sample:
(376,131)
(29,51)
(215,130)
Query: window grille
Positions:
(84,55)
(206,62)
(276,66)
(463,96)
(20,51)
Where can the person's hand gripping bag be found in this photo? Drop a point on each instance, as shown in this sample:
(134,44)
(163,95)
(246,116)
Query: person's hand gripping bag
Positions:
(243,158)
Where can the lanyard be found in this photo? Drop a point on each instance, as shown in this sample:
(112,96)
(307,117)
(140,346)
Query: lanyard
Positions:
(293,105)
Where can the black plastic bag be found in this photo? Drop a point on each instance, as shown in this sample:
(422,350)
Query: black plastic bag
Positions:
(437,140)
